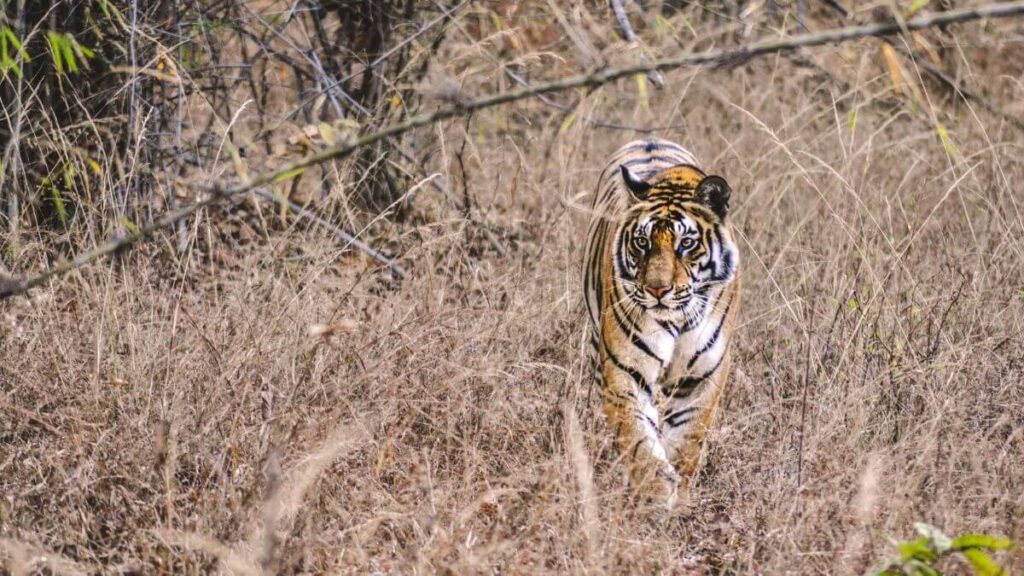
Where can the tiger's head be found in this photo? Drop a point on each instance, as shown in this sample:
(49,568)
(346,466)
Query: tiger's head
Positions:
(674,245)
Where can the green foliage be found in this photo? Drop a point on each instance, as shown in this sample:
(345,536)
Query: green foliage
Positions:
(68,53)
(918,557)
(10,46)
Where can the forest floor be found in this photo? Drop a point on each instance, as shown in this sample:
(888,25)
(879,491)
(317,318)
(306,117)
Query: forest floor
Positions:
(280,403)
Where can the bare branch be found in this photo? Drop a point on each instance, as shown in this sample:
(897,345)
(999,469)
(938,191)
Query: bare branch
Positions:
(627,33)
(347,237)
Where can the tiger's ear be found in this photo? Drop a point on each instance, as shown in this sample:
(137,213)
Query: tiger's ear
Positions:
(638,188)
(714,192)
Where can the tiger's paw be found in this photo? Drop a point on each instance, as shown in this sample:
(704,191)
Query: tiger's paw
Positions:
(658,486)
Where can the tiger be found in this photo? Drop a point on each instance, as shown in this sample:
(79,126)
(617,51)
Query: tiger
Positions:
(662,291)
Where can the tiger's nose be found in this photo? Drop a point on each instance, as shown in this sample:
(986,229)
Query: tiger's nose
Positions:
(658,291)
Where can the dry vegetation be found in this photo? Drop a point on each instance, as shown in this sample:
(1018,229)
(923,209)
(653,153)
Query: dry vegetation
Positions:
(269,400)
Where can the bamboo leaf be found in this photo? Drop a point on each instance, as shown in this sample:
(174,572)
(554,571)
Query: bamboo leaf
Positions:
(132,227)
(641,88)
(18,47)
(69,54)
(288,175)
(947,142)
(54,41)
(570,118)
(58,204)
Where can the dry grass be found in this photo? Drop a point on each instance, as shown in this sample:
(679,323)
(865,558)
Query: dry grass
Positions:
(182,420)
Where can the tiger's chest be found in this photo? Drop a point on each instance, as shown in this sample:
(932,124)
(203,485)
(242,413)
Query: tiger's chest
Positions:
(701,349)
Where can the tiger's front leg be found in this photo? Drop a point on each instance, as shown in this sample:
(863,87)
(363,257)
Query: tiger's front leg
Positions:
(690,406)
(629,411)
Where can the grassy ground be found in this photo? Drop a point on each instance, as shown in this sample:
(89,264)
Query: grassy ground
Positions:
(184,418)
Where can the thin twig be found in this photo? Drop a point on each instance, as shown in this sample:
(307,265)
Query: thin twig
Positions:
(837,6)
(472,219)
(965,93)
(592,121)
(627,33)
(219,192)
(347,237)
(445,15)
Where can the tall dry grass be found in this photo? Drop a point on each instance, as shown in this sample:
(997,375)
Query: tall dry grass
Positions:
(286,407)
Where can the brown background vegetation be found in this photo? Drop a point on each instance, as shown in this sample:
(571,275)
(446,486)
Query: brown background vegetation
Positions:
(246,394)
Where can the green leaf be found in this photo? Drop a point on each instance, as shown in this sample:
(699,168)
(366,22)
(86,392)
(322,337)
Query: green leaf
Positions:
(69,176)
(69,55)
(851,119)
(131,226)
(947,143)
(641,88)
(11,37)
(84,52)
(55,40)
(965,541)
(920,549)
(982,564)
(568,122)
(58,204)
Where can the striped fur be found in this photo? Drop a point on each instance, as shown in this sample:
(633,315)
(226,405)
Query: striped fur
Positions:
(662,290)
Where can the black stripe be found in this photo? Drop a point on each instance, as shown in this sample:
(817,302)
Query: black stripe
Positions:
(637,446)
(592,273)
(650,160)
(607,192)
(711,265)
(650,421)
(698,317)
(714,337)
(626,325)
(728,264)
(651,144)
(619,250)
(679,417)
(633,373)
(685,386)
(644,147)
(634,338)
(669,327)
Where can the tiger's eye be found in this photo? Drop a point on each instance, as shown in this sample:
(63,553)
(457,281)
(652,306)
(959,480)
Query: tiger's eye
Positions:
(686,244)
(641,243)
